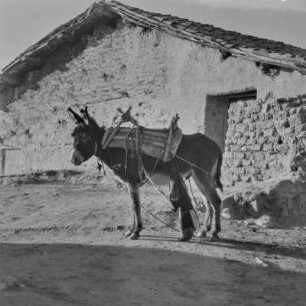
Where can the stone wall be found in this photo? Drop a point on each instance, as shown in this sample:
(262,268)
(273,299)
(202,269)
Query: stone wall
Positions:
(265,140)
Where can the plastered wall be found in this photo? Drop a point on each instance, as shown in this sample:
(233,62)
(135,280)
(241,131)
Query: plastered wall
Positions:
(157,74)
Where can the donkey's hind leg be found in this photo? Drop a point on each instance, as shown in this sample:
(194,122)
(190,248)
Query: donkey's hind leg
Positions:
(213,203)
(137,227)
(208,217)
(197,177)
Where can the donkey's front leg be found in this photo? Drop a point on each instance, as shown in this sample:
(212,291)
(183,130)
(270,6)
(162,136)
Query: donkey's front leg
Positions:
(137,220)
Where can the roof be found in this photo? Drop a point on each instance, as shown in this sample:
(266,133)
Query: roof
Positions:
(69,32)
(232,43)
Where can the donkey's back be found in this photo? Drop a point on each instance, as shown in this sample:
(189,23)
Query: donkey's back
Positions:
(200,151)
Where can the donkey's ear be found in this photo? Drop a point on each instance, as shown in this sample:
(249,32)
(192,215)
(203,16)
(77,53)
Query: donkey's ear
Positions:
(87,118)
(74,116)
(85,114)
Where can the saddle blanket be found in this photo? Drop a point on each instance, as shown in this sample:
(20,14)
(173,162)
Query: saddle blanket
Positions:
(159,143)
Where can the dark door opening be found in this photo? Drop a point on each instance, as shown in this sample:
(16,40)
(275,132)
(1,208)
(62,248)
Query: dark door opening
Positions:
(216,114)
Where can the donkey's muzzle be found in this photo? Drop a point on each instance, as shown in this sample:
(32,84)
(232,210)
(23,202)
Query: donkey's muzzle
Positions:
(77,158)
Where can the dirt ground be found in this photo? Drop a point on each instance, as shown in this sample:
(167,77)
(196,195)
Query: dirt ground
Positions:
(62,243)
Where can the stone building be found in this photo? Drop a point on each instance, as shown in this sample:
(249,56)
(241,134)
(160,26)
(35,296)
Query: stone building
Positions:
(246,93)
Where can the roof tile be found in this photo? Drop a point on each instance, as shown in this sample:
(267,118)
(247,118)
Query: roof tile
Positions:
(246,46)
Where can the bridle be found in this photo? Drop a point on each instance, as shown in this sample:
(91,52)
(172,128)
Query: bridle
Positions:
(97,154)
(96,148)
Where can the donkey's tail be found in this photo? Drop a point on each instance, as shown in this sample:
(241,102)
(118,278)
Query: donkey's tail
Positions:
(218,174)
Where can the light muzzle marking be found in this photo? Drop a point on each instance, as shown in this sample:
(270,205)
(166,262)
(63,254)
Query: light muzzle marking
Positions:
(76,157)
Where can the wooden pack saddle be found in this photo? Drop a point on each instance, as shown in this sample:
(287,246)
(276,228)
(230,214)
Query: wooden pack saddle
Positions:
(158,143)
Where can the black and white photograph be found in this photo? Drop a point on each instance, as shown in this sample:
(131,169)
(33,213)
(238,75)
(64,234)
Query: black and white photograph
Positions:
(152,153)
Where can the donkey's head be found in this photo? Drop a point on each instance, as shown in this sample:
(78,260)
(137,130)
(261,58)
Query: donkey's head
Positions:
(86,136)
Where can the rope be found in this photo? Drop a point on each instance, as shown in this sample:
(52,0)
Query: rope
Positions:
(167,201)
(157,188)
(155,217)
(126,145)
(144,171)
(165,195)
(120,185)
(140,165)
(193,197)
(191,164)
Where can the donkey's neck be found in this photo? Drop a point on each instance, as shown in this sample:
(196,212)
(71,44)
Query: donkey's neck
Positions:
(98,136)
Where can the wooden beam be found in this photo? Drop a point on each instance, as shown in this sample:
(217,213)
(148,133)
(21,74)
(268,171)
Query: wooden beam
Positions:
(10,79)
(33,61)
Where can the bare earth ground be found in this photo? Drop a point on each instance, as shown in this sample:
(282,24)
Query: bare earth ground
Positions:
(63,244)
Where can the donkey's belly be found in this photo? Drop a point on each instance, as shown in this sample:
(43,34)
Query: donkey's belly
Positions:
(160,179)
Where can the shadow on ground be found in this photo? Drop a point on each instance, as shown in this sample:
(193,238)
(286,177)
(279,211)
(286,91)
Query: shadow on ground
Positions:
(74,274)
(244,245)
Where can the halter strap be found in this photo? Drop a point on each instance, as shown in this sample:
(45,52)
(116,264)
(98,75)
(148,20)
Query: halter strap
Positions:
(100,164)
(96,148)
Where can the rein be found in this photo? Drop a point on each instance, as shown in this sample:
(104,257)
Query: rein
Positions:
(156,187)
(192,165)
(120,185)
(100,164)
(148,178)
(141,169)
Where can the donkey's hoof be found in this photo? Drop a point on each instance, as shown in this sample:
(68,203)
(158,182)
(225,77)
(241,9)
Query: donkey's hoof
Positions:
(187,234)
(184,239)
(134,236)
(128,233)
(214,238)
(200,234)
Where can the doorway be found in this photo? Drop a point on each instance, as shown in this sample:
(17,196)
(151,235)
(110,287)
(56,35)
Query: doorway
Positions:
(216,114)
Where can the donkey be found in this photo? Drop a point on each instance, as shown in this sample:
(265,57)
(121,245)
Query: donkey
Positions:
(197,156)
